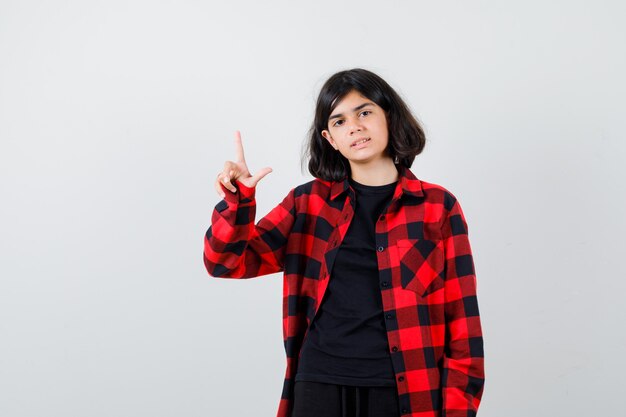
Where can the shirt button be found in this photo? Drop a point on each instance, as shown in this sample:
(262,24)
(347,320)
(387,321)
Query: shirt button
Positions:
(400,378)
(394,349)
(404,410)
(385,284)
(389,316)
(380,249)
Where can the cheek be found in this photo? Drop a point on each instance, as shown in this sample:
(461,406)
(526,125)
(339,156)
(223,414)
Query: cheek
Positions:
(383,129)
(382,125)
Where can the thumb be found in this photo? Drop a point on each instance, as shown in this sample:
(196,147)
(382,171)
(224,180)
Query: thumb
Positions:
(260,174)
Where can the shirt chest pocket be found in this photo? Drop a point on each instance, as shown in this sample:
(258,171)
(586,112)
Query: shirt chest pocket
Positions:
(422,265)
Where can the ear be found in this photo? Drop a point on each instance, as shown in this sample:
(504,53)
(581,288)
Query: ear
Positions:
(329,138)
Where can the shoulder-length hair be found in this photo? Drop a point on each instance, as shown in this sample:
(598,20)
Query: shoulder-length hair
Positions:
(406,135)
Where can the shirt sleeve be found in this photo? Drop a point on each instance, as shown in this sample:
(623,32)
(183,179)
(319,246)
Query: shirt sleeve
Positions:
(234,247)
(463,363)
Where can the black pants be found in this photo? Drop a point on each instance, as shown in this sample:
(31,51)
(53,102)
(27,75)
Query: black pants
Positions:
(316,399)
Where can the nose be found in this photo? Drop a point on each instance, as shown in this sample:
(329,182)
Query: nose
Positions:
(354,125)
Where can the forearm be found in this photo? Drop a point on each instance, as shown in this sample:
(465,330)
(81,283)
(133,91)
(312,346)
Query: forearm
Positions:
(463,366)
(234,247)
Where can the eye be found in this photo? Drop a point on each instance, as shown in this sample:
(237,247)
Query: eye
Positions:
(365,111)
(337,123)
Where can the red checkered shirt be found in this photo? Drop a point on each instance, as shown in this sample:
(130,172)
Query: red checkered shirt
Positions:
(426,279)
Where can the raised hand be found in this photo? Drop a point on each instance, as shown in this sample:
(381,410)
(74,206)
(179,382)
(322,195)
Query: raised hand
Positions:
(238,170)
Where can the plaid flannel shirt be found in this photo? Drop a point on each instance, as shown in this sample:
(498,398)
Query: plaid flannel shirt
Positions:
(427,280)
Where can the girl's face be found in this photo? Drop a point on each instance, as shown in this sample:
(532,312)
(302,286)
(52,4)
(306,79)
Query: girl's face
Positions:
(357,128)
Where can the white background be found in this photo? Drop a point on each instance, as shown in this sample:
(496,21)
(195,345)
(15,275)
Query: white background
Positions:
(116,116)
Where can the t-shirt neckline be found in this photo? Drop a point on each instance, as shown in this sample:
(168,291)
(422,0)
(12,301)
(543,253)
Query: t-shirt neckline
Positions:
(372,188)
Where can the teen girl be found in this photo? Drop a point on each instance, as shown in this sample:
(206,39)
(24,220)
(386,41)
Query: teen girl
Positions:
(379,305)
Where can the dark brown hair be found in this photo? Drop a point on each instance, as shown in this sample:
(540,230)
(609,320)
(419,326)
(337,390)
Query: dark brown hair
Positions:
(406,136)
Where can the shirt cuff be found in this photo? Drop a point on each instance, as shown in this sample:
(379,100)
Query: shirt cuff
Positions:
(244,194)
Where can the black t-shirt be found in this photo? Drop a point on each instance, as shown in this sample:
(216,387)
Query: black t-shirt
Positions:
(347,341)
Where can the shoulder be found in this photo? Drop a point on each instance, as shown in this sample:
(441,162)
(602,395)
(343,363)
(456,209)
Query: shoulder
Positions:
(315,187)
(444,208)
(300,197)
(438,194)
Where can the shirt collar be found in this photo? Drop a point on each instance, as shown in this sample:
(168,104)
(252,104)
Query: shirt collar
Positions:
(408,184)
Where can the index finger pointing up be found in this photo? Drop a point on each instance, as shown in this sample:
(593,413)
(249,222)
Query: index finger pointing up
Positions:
(239,147)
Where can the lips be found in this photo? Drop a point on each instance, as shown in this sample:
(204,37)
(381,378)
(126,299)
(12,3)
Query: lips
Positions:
(359,140)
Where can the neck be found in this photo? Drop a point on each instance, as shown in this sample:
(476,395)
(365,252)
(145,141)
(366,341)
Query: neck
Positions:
(380,172)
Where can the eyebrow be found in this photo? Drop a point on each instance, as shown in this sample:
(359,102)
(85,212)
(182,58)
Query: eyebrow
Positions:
(336,116)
